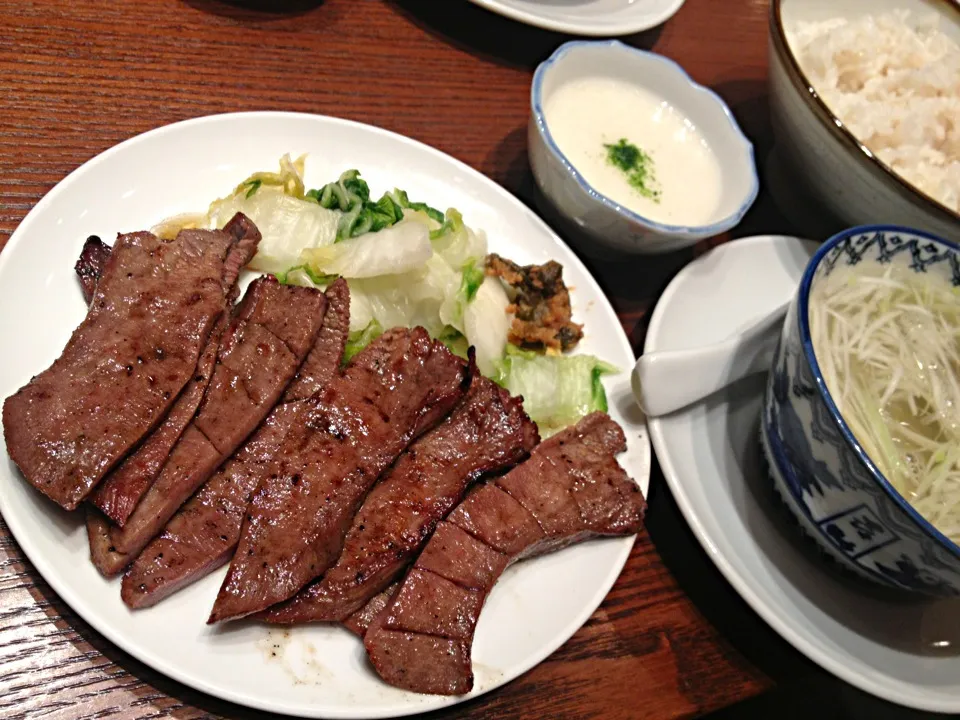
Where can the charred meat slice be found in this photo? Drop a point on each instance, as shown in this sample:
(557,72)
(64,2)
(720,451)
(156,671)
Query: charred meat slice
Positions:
(204,533)
(248,238)
(570,489)
(95,253)
(541,304)
(488,431)
(359,621)
(123,487)
(323,362)
(90,265)
(400,386)
(273,329)
(124,366)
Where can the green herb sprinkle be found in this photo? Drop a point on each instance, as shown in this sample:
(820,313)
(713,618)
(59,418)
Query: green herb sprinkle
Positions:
(636,165)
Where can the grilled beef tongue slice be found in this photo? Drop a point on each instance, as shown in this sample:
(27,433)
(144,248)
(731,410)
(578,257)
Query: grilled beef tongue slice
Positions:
(204,533)
(272,330)
(400,386)
(123,487)
(323,361)
(95,253)
(360,621)
(487,432)
(89,267)
(570,489)
(124,366)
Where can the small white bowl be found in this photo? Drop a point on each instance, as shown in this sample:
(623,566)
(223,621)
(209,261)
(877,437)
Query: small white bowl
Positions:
(608,222)
(837,170)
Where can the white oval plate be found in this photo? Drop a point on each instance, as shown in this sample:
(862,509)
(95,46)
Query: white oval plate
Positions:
(883,644)
(596,18)
(311,671)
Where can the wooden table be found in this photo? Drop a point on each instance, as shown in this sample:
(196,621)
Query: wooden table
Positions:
(78,77)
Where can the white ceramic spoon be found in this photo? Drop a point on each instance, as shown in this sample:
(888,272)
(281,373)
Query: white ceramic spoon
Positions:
(670,380)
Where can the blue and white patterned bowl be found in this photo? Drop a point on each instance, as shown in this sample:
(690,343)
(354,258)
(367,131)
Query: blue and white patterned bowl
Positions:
(819,469)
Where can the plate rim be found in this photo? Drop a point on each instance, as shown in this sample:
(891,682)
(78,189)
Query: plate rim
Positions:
(136,650)
(741,580)
(586,29)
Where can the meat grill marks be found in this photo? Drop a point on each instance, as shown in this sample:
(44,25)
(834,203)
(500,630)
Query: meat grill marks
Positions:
(123,487)
(570,489)
(487,432)
(204,533)
(400,386)
(273,329)
(124,366)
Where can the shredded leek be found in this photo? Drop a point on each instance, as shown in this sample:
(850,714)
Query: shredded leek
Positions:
(887,340)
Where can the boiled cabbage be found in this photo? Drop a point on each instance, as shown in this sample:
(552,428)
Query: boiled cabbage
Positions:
(557,390)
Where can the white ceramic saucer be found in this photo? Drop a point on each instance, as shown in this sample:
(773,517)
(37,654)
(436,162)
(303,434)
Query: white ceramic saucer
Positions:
(896,648)
(597,18)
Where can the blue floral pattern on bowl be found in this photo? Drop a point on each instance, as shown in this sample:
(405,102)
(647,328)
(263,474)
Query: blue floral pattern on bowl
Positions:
(820,471)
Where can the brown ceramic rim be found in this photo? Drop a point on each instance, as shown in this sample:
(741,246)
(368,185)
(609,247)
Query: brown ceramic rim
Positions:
(833,123)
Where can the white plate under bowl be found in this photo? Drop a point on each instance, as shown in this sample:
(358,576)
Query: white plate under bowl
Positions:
(595,18)
(897,648)
(312,671)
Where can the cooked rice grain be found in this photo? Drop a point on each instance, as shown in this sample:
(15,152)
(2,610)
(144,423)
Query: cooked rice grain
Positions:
(895,84)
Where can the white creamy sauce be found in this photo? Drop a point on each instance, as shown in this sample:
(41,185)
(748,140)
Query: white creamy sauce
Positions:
(586,114)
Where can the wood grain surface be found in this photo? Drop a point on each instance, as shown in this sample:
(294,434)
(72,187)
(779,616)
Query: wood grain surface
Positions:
(79,77)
